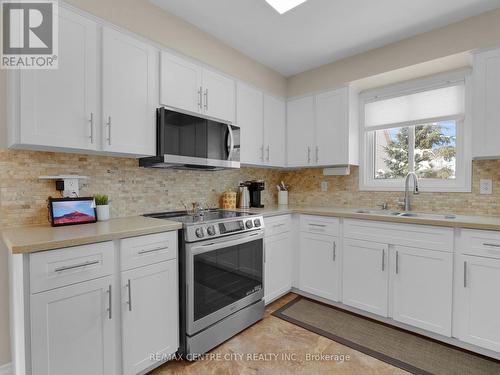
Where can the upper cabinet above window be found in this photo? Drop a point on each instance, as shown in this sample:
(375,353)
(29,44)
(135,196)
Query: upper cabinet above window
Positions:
(189,87)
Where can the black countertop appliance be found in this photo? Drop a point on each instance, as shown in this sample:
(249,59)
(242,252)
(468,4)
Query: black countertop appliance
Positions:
(255,188)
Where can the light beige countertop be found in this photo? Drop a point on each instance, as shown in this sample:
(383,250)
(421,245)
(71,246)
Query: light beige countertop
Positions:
(458,221)
(28,239)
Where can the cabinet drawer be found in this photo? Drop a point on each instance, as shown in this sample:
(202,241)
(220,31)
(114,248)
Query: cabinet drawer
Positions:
(479,242)
(277,225)
(145,250)
(57,268)
(411,235)
(319,224)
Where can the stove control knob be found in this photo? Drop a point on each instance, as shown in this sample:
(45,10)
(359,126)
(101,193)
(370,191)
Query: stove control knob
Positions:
(249,224)
(257,223)
(211,230)
(199,232)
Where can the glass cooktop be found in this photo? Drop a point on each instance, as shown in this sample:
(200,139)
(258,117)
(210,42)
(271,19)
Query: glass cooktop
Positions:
(206,216)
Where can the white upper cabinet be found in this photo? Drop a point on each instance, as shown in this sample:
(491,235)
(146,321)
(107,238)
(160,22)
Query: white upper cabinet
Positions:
(250,116)
(274,131)
(219,94)
(300,132)
(323,129)
(59,108)
(189,87)
(180,82)
(336,128)
(130,94)
(486,111)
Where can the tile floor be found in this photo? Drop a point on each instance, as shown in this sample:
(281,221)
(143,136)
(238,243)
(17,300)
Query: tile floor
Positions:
(273,337)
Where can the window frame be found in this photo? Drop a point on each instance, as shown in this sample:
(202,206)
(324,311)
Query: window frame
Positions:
(463,166)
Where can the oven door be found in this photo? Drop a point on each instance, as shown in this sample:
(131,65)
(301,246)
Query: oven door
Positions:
(222,277)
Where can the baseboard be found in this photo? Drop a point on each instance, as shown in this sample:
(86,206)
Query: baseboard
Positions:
(6,369)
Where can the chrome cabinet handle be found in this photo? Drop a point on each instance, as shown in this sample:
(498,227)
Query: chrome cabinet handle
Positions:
(268,152)
(308,155)
(265,255)
(151,250)
(317,225)
(383,260)
(206,99)
(200,99)
(278,225)
(109,130)
(317,154)
(91,122)
(465,274)
(397,262)
(80,265)
(491,244)
(110,302)
(334,251)
(129,288)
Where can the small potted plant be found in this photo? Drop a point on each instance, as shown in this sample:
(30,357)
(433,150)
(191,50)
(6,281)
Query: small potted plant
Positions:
(102,206)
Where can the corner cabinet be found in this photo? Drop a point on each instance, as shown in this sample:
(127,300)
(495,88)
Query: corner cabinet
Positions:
(190,87)
(130,94)
(59,108)
(486,111)
(323,129)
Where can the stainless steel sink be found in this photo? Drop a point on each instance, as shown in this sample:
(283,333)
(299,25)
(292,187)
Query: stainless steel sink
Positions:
(378,212)
(427,216)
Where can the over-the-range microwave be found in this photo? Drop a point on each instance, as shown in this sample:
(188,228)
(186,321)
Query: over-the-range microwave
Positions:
(190,142)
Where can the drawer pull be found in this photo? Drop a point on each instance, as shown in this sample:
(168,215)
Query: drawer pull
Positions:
(66,268)
(129,287)
(151,250)
(334,251)
(397,262)
(110,301)
(491,244)
(279,225)
(317,225)
(465,274)
(383,260)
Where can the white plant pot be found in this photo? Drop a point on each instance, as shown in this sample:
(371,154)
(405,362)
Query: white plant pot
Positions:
(102,212)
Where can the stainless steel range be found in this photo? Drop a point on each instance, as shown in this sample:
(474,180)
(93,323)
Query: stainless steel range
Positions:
(221,276)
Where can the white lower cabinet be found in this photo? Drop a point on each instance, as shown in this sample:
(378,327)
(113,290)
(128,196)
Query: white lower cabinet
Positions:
(73,329)
(478,305)
(319,266)
(365,279)
(277,266)
(421,283)
(149,315)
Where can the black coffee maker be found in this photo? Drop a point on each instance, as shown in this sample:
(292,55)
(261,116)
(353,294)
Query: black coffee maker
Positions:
(255,188)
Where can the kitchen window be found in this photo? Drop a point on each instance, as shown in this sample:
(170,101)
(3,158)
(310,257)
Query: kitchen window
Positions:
(419,127)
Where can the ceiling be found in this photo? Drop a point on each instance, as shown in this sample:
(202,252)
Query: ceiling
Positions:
(318,31)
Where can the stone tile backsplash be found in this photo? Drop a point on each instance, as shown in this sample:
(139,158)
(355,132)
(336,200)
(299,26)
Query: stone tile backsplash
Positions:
(134,190)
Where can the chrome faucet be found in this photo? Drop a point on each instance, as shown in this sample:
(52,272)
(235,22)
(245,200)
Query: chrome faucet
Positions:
(407,201)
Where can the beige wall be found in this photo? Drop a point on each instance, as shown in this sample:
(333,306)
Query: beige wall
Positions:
(145,19)
(475,32)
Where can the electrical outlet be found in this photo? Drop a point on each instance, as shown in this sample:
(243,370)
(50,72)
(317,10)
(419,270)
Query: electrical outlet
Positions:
(324,186)
(486,186)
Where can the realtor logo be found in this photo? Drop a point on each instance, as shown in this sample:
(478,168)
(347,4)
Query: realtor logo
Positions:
(29,34)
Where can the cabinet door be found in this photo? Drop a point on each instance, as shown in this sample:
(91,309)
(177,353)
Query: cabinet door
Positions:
(219,96)
(72,330)
(249,117)
(180,83)
(365,277)
(486,111)
(278,255)
(274,131)
(332,128)
(478,306)
(150,314)
(319,265)
(422,288)
(130,94)
(59,107)
(300,132)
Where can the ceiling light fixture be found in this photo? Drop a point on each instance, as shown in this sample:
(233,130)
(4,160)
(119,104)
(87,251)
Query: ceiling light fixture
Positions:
(283,6)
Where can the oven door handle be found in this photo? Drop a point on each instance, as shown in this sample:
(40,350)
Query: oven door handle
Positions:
(201,249)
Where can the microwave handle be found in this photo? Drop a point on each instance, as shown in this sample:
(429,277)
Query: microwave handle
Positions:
(231,142)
